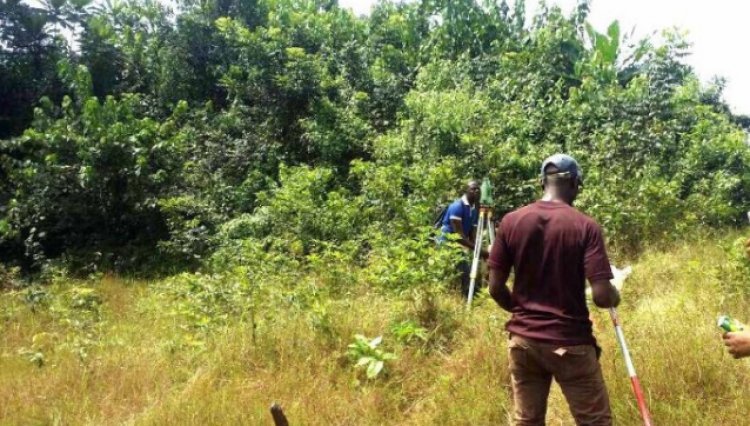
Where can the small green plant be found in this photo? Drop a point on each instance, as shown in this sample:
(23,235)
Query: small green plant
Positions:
(80,309)
(41,343)
(33,356)
(9,276)
(86,299)
(367,354)
(408,332)
(36,297)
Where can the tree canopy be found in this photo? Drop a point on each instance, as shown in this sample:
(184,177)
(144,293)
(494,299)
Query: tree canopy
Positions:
(163,135)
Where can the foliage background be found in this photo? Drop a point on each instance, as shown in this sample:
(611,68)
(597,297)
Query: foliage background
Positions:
(298,123)
(262,176)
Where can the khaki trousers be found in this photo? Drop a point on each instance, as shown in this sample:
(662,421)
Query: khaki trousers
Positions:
(575,368)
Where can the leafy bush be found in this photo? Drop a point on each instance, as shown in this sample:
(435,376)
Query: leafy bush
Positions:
(401,264)
(76,311)
(92,175)
(191,227)
(367,354)
(303,208)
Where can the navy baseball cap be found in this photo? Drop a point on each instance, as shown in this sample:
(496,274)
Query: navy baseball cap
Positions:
(566,166)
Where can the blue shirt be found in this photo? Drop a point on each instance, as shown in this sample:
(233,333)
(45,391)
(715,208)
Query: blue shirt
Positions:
(462,210)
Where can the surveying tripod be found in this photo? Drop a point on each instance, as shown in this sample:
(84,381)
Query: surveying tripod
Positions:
(485,224)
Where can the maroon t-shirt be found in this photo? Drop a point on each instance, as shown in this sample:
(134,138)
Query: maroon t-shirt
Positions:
(552,249)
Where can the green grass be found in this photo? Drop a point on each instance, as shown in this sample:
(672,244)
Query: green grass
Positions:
(137,358)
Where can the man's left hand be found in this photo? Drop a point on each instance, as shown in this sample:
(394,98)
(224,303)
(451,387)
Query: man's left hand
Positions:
(738,343)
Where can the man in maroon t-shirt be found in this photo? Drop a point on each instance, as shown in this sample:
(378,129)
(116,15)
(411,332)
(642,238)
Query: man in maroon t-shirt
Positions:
(552,249)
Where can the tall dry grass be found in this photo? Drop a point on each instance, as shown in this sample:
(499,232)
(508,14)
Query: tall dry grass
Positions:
(143,368)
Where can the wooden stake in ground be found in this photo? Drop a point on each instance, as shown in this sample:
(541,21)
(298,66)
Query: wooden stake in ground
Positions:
(279,419)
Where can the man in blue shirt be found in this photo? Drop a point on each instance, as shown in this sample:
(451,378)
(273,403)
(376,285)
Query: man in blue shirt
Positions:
(461,218)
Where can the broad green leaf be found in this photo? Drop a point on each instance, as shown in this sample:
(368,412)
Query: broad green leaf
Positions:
(374,369)
(364,360)
(375,342)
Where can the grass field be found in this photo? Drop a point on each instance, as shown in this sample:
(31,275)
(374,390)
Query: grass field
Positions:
(112,351)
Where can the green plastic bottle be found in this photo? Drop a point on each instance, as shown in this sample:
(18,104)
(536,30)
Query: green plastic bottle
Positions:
(727,323)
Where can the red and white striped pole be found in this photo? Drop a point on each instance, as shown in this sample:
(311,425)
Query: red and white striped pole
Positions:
(637,390)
